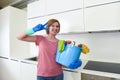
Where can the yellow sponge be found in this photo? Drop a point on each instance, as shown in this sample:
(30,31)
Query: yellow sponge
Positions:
(85,49)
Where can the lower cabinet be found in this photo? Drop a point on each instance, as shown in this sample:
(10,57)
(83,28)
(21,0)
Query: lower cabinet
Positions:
(0,68)
(9,69)
(28,71)
(68,75)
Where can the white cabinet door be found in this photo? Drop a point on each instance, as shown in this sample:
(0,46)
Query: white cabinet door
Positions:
(10,70)
(28,71)
(105,17)
(4,31)
(71,21)
(55,6)
(97,2)
(0,68)
(71,75)
(36,9)
(45,7)
(12,22)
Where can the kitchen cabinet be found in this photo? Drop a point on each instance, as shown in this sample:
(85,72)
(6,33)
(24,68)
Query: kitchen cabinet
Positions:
(13,22)
(71,75)
(10,69)
(1,68)
(102,18)
(88,3)
(68,12)
(56,6)
(36,9)
(4,31)
(28,71)
(48,7)
(70,21)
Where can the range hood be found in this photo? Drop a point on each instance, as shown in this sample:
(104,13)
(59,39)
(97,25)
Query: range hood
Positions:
(103,66)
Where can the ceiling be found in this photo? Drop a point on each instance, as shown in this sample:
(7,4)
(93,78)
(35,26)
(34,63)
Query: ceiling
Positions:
(15,3)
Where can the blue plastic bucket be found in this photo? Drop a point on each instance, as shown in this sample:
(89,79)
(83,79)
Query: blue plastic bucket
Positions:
(70,54)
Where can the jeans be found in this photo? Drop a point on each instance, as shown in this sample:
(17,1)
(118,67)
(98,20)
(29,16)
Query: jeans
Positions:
(59,77)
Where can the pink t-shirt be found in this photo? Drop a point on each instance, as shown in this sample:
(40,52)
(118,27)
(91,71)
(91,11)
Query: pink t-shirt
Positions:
(47,65)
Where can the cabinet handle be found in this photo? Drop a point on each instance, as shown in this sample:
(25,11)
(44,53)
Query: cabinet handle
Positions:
(3,57)
(13,59)
(28,62)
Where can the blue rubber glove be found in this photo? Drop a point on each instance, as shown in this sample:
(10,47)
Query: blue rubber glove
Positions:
(37,28)
(40,27)
(75,64)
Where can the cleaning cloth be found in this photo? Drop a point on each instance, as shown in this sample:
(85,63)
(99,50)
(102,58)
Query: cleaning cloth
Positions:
(61,45)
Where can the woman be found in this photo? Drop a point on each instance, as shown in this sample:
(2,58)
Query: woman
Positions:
(47,68)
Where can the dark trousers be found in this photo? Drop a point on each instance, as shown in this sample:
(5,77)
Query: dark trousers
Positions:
(59,77)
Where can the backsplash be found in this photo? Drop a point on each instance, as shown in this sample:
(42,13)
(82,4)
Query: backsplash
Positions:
(103,46)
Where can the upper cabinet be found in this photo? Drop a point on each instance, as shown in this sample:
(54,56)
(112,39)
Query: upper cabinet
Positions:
(36,9)
(56,6)
(88,3)
(13,21)
(104,17)
(68,12)
(46,7)
(71,21)
(77,16)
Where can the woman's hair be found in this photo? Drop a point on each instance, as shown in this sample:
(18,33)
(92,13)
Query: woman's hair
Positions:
(50,22)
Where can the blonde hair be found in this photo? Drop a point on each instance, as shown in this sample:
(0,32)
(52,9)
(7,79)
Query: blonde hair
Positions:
(50,22)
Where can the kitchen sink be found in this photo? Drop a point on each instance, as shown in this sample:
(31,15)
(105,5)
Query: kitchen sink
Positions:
(32,58)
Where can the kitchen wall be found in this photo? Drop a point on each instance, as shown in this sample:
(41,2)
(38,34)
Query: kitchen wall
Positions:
(104,46)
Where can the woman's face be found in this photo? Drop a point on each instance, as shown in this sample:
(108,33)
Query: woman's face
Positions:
(54,28)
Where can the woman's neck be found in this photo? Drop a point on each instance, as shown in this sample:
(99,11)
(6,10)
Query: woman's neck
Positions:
(51,38)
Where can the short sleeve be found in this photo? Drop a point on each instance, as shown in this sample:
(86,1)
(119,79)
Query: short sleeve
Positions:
(38,39)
